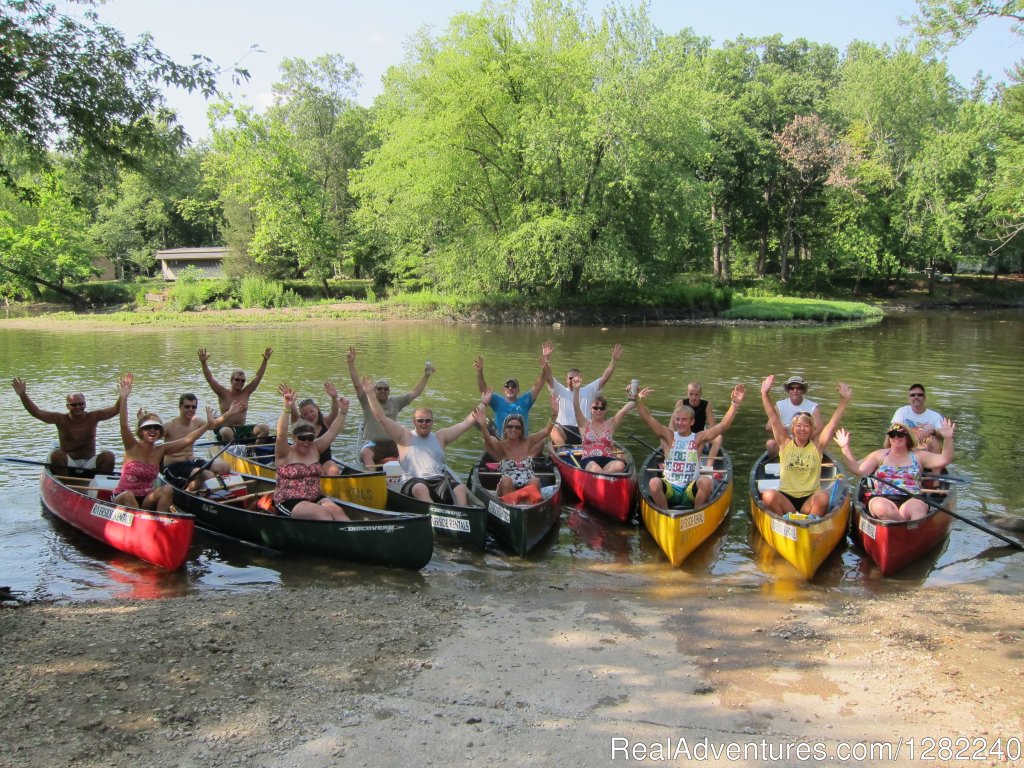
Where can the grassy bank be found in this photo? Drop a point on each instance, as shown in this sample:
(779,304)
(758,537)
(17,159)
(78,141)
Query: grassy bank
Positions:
(686,299)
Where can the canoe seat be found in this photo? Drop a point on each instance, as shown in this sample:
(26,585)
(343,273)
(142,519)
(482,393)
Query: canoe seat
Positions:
(772,469)
(767,485)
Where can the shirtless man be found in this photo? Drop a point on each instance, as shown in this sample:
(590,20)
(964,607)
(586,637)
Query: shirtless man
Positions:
(76,431)
(421,451)
(790,406)
(183,466)
(565,430)
(377,446)
(235,427)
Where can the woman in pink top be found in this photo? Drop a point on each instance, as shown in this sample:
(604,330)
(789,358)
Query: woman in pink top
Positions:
(600,453)
(298,465)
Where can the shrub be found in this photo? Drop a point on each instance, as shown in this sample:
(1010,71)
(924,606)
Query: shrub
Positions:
(259,292)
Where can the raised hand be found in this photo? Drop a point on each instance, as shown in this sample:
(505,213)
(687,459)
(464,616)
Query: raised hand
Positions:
(546,349)
(737,394)
(330,389)
(267,353)
(18,385)
(485,396)
(203,356)
(616,352)
(845,392)
(842,438)
(947,429)
(351,356)
(644,392)
(766,384)
(479,363)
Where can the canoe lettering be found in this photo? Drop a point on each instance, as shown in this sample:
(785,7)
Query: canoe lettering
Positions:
(784,529)
(359,495)
(442,520)
(867,527)
(691,521)
(112,514)
(498,511)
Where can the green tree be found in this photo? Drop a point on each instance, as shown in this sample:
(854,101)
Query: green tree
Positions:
(945,23)
(76,84)
(531,148)
(282,177)
(45,243)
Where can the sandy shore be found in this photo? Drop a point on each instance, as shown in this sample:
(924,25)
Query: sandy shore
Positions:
(453,671)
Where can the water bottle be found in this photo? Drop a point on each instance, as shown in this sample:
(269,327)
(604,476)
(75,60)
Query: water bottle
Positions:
(634,388)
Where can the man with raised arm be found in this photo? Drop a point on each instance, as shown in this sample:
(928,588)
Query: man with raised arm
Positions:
(182,468)
(681,483)
(421,451)
(566,430)
(511,401)
(235,427)
(76,431)
(377,446)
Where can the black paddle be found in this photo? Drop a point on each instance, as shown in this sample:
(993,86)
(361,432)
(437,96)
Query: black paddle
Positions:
(77,471)
(645,444)
(938,506)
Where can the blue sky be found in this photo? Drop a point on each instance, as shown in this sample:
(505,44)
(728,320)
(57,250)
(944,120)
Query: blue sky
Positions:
(372,34)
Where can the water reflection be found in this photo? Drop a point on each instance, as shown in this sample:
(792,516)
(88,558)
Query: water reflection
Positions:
(960,357)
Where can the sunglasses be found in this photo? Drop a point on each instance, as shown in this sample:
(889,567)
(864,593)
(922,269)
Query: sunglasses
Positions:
(917,394)
(152,427)
(424,421)
(598,407)
(77,405)
(189,407)
(514,425)
(241,379)
(511,385)
(897,433)
(383,389)
(305,438)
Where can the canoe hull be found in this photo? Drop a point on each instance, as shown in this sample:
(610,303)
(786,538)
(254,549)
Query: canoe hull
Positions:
(612,495)
(373,536)
(367,489)
(465,525)
(895,544)
(680,531)
(518,527)
(160,538)
(803,544)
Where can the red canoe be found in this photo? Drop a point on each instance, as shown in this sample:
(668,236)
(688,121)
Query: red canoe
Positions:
(160,538)
(612,495)
(895,544)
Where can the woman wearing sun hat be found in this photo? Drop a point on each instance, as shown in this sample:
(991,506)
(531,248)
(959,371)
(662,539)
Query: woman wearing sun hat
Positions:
(298,464)
(898,463)
(143,455)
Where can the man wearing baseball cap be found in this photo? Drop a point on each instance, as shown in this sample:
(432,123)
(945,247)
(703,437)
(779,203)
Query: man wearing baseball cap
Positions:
(790,406)
(511,402)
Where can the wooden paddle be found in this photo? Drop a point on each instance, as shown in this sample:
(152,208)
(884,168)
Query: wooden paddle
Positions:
(936,505)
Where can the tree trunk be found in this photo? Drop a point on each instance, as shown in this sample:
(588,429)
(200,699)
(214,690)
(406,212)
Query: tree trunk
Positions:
(716,248)
(79,301)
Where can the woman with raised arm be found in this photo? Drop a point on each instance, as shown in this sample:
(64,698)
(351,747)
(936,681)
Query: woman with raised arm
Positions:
(898,464)
(800,456)
(143,455)
(308,410)
(600,453)
(515,451)
(298,464)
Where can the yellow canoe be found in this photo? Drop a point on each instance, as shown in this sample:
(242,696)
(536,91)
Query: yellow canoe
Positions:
(803,542)
(680,531)
(370,489)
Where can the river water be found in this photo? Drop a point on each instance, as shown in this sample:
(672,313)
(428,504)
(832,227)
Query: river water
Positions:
(968,361)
